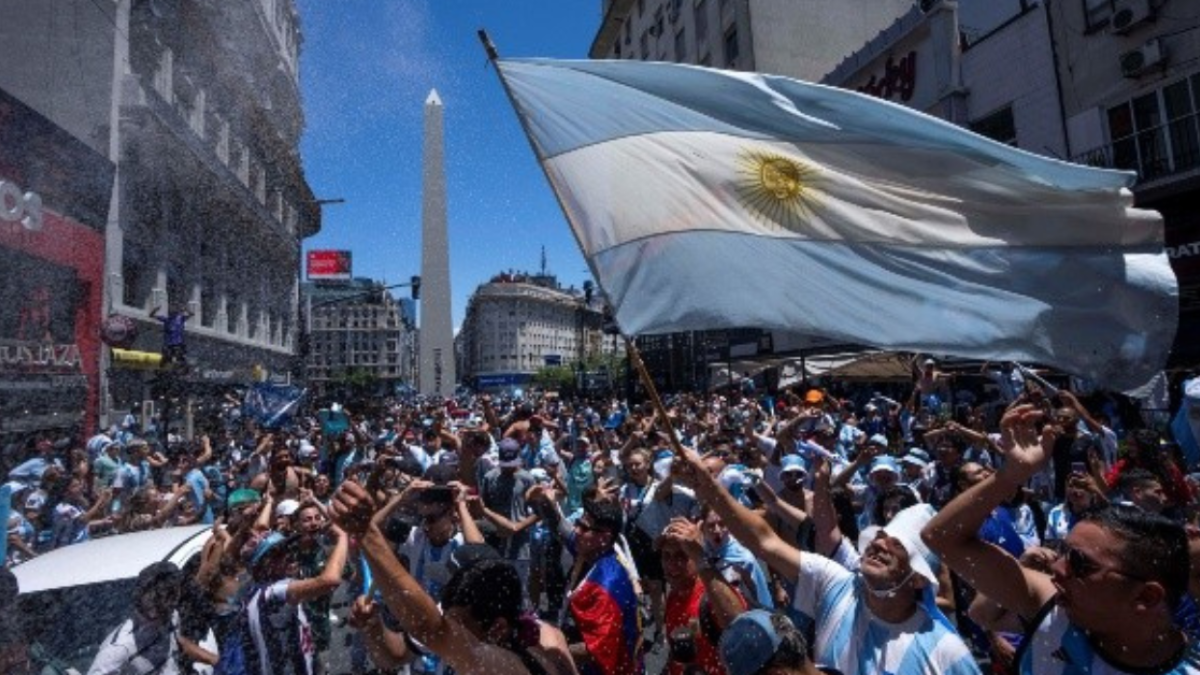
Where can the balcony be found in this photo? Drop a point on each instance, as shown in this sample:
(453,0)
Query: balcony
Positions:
(1159,154)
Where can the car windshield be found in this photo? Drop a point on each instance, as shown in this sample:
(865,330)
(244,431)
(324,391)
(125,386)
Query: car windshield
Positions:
(65,627)
(344,336)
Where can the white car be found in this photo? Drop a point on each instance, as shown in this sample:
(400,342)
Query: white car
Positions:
(72,597)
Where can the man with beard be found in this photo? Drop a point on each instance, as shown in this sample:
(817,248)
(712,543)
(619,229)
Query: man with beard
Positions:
(881,619)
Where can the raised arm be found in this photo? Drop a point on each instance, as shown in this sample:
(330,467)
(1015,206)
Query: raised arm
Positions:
(306,590)
(413,608)
(953,531)
(824,515)
(746,526)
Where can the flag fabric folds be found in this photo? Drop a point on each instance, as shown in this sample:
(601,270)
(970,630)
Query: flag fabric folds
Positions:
(706,199)
(272,405)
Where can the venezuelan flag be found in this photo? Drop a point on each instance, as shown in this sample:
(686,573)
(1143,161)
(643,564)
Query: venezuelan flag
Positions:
(605,608)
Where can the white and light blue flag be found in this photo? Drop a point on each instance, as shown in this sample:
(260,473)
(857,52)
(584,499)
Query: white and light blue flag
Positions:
(709,199)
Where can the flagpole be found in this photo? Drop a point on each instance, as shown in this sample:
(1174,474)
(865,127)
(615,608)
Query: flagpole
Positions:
(635,356)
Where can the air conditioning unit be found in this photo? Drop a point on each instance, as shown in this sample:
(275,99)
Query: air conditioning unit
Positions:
(1129,14)
(1143,59)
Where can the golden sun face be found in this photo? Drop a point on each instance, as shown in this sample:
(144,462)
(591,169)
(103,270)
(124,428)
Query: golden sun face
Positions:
(775,188)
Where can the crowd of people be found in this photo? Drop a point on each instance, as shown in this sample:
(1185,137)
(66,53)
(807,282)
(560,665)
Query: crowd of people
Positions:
(1014,529)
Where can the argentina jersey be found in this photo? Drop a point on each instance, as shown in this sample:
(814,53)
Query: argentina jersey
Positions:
(1056,647)
(850,638)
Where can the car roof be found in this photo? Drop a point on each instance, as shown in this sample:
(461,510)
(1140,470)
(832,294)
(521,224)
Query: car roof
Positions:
(112,558)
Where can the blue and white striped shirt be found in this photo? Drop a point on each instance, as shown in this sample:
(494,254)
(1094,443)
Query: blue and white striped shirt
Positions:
(1056,647)
(852,639)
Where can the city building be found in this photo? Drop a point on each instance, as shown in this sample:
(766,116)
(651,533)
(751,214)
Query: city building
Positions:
(195,110)
(1130,71)
(358,337)
(518,323)
(796,38)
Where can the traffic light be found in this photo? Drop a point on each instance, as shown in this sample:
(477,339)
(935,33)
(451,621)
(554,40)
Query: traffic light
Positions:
(416,287)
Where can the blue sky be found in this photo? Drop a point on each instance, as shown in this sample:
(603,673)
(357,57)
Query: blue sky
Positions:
(366,69)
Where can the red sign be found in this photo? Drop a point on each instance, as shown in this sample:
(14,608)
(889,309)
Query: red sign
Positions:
(329,265)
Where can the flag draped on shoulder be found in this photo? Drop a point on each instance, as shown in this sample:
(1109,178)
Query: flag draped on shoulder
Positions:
(707,199)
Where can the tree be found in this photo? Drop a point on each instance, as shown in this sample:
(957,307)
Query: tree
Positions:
(555,378)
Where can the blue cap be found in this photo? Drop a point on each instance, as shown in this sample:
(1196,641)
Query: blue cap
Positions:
(268,543)
(885,463)
(749,643)
(794,463)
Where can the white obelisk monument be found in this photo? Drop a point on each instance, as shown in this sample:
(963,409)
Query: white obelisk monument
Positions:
(437,331)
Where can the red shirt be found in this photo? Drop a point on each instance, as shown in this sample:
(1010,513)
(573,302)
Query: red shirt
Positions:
(683,605)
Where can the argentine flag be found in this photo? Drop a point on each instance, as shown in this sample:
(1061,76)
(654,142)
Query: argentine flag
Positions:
(706,199)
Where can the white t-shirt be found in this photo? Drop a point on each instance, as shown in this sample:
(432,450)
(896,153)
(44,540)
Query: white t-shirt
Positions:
(138,649)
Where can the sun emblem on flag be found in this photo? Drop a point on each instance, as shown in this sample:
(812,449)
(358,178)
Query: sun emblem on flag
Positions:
(775,187)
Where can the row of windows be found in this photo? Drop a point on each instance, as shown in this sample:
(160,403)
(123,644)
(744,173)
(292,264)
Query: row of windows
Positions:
(1158,133)
(657,31)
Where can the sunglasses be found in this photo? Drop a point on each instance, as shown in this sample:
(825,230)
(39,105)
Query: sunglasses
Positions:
(1080,566)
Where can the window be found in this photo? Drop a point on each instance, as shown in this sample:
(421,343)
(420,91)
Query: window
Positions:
(680,44)
(1158,133)
(998,126)
(731,48)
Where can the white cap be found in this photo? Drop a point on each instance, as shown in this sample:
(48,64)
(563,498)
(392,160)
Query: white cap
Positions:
(286,507)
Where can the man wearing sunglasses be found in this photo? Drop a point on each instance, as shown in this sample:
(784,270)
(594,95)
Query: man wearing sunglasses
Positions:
(1106,607)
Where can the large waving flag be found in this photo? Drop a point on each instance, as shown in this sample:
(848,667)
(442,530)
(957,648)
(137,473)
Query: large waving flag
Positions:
(709,199)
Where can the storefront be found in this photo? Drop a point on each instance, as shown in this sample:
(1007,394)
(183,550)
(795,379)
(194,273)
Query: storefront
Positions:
(54,197)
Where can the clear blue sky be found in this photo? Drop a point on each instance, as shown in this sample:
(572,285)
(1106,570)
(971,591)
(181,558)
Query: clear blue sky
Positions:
(367,67)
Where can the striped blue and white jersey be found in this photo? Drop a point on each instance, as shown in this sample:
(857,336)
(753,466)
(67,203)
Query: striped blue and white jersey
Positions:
(1057,647)
(852,639)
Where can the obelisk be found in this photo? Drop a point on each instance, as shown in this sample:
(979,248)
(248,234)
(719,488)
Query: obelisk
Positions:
(436,330)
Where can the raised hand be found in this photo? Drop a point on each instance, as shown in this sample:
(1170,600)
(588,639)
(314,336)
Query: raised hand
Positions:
(1020,440)
(688,535)
(352,509)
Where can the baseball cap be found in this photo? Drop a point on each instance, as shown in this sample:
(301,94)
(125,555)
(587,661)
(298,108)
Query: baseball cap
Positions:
(885,463)
(268,544)
(539,475)
(906,527)
(242,497)
(878,439)
(814,396)
(749,642)
(286,507)
(793,464)
(915,459)
(510,453)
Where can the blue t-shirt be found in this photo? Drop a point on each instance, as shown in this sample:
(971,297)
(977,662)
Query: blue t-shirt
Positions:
(173,328)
